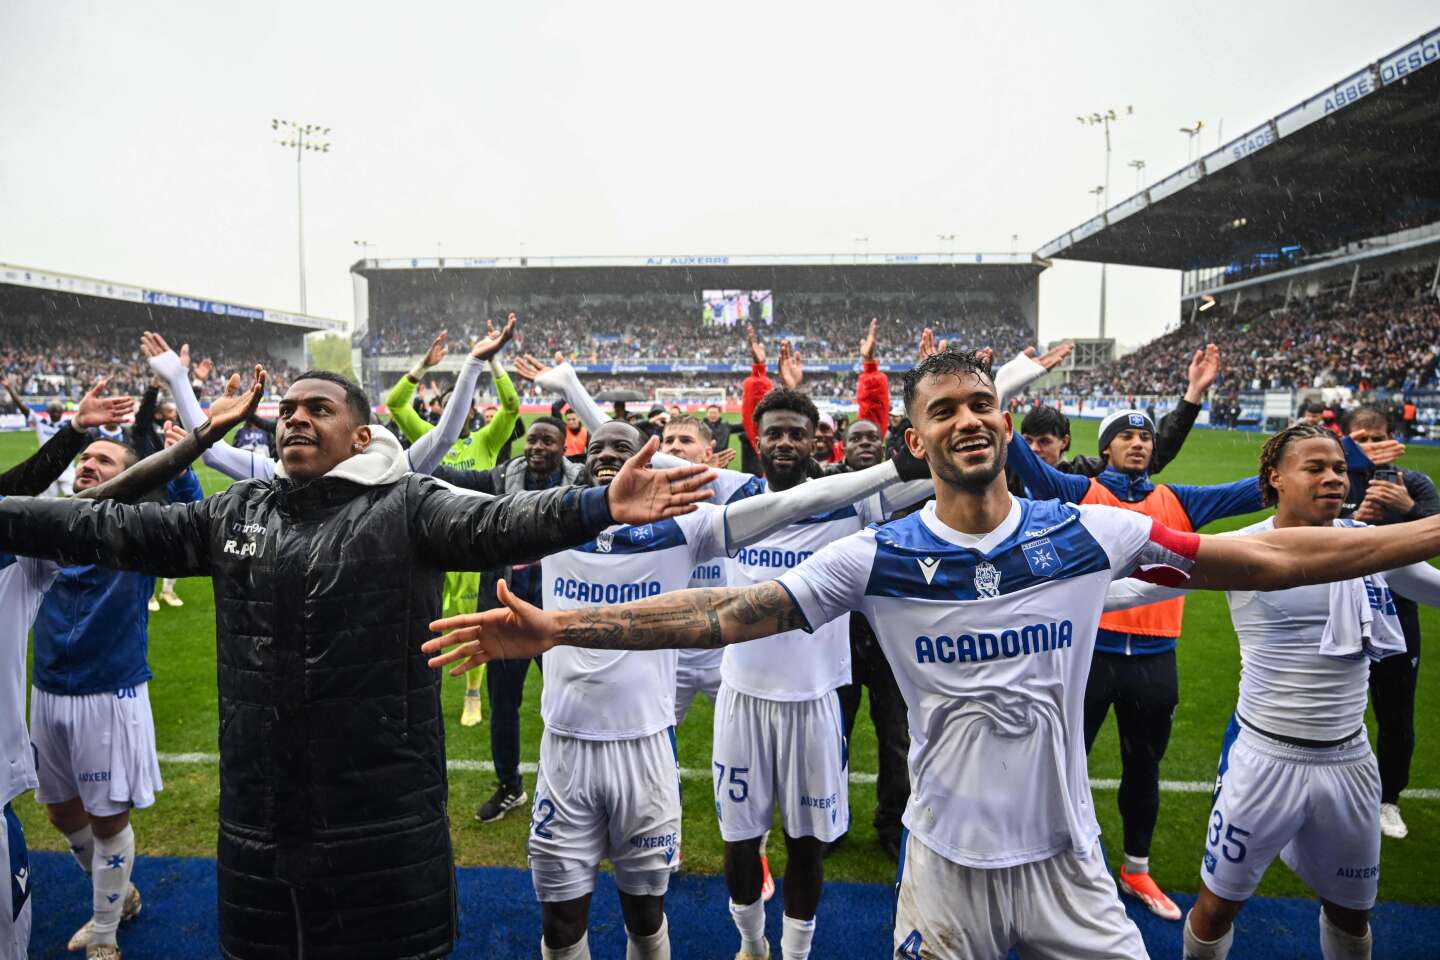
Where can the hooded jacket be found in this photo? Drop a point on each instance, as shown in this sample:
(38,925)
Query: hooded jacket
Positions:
(334,839)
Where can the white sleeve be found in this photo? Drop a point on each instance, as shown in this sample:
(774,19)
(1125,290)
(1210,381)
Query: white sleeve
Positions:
(832,581)
(565,381)
(236,464)
(1419,582)
(905,494)
(704,531)
(40,573)
(1016,375)
(1128,593)
(1140,546)
(426,453)
(753,519)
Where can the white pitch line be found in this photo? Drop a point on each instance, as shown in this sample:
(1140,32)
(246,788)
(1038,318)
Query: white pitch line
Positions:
(688,773)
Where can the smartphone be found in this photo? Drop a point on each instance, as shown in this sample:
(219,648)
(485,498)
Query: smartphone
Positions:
(1387,474)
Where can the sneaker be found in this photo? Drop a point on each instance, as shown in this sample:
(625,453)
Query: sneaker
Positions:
(81,940)
(103,951)
(171,599)
(1143,887)
(1391,823)
(153,605)
(767,882)
(472,712)
(501,802)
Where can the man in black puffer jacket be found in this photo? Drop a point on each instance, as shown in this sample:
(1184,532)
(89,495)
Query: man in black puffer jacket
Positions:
(334,840)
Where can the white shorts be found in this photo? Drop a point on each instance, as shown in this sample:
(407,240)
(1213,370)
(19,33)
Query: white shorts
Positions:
(696,671)
(597,800)
(1317,807)
(15,899)
(97,746)
(1063,907)
(772,751)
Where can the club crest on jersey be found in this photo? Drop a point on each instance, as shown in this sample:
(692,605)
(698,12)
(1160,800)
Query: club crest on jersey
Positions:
(605,541)
(1042,557)
(928,566)
(987,579)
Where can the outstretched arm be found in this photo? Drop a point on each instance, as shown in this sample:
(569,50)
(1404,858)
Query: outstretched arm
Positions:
(31,477)
(563,380)
(698,619)
(1298,556)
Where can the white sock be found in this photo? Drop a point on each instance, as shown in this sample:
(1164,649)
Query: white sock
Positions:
(654,947)
(579,950)
(167,585)
(750,921)
(1137,864)
(110,880)
(1336,944)
(1197,949)
(795,937)
(82,846)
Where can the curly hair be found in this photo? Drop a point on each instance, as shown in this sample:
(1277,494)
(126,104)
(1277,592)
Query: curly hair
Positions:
(791,400)
(1274,451)
(942,364)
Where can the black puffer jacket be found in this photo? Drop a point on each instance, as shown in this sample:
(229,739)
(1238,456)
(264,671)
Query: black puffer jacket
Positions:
(333,829)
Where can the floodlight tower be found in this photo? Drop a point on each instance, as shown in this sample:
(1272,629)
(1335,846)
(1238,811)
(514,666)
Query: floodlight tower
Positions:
(302,137)
(1191,133)
(1139,167)
(1103,120)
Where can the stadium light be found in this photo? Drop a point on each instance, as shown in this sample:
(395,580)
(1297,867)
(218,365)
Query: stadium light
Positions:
(1098,192)
(1139,166)
(1103,120)
(302,138)
(1192,133)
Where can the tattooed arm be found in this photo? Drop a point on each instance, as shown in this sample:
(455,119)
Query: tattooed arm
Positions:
(684,619)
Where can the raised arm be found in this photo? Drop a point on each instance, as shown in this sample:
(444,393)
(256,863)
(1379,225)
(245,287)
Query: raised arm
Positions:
(426,453)
(496,433)
(688,619)
(397,401)
(1174,427)
(32,476)
(1298,556)
(563,380)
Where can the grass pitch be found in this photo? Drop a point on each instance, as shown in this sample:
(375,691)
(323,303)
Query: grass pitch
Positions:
(183,820)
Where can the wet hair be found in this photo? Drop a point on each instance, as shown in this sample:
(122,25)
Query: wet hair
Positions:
(686,420)
(1368,416)
(947,363)
(1274,451)
(132,456)
(791,400)
(550,421)
(1045,420)
(355,398)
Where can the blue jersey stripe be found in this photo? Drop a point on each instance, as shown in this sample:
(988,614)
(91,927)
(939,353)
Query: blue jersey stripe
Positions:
(645,538)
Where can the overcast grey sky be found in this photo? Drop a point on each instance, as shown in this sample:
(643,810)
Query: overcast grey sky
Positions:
(135,141)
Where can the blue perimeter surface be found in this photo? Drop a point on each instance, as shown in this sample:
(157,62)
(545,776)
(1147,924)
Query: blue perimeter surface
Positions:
(500,919)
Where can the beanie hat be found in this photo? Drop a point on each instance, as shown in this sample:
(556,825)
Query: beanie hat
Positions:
(1120,421)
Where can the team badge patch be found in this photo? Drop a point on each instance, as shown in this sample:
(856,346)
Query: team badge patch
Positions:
(604,542)
(1210,861)
(987,579)
(1042,557)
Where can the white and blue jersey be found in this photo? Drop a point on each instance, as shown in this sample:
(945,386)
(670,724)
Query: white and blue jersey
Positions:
(990,639)
(792,666)
(619,694)
(23,583)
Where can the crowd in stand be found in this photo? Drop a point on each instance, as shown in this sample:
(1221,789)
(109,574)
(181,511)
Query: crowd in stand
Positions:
(1386,338)
(669,330)
(63,357)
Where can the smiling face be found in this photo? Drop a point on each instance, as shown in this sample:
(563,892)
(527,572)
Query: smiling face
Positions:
(1130,450)
(824,440)
(610,446)
(101,461)
(317,429)
(786,440)
(863,445)
(1311,480)
(957,427)
(544,449)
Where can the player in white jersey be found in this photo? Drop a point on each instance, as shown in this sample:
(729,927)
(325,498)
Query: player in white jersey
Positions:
(987,607)
(607,786)
(23,583)
(45,428)
(1297,776)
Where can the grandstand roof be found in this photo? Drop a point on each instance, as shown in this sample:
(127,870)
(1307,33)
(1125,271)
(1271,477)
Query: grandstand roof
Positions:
(1359,159)
(27,282)
(819,273)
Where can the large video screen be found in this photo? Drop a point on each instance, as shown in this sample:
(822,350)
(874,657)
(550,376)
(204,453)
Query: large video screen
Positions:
(726,308)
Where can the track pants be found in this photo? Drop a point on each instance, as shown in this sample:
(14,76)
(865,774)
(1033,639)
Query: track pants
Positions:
(869,668)
(505,682)
(1144,689)
(1392,694)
